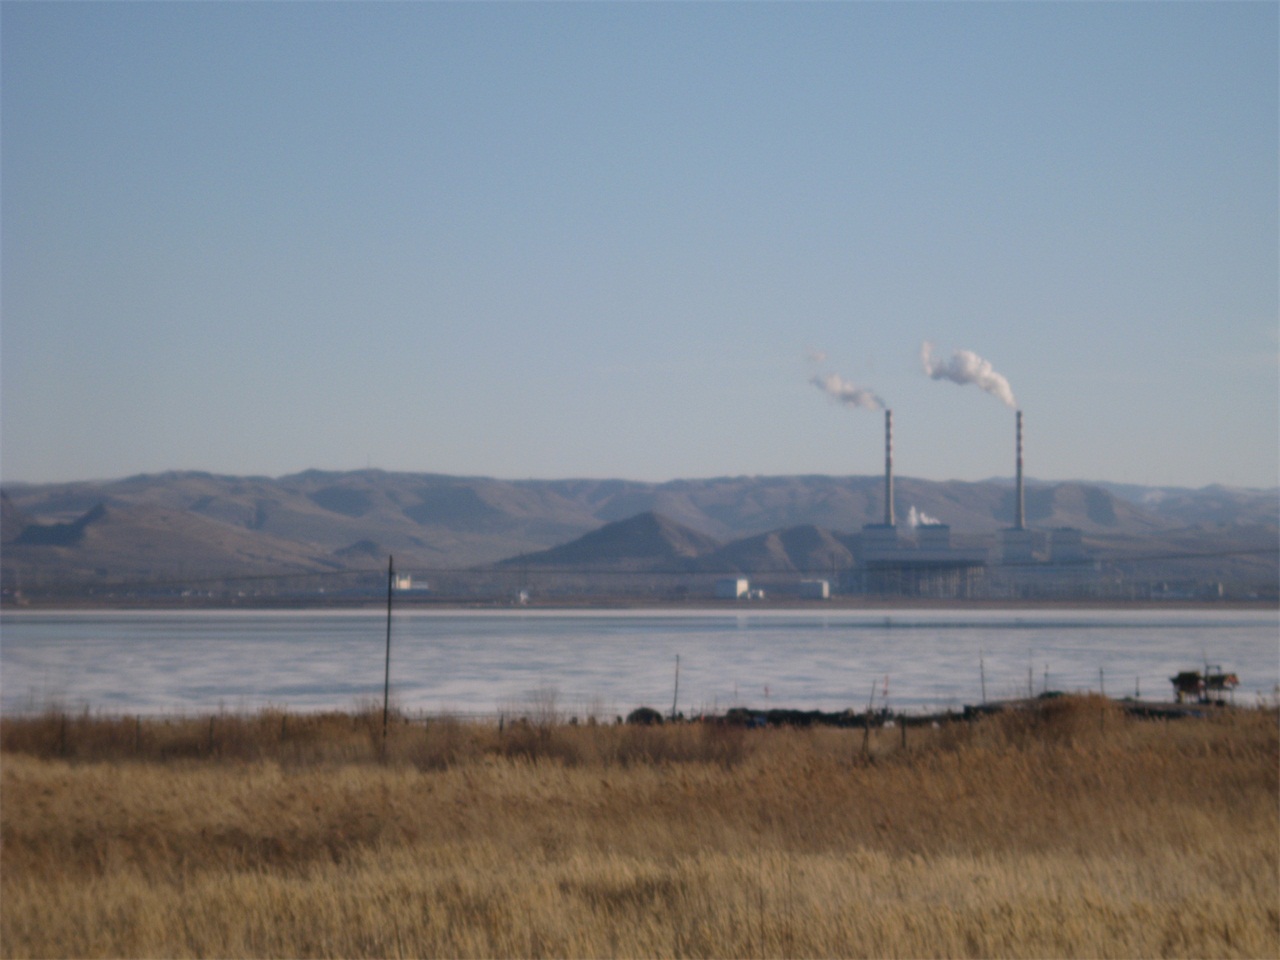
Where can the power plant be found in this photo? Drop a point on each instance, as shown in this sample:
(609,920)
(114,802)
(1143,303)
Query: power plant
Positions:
(925,562)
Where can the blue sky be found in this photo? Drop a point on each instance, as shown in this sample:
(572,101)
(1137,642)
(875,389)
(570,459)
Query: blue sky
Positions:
(608,240)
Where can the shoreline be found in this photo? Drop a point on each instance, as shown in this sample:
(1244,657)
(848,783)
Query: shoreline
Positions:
(736,607)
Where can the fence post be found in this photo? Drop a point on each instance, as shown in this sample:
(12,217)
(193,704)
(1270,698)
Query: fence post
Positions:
(866,723)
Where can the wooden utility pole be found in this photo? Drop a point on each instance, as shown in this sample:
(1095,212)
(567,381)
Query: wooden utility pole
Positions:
(386,684)
(676,696)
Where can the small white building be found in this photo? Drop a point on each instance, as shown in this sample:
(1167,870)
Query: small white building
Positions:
(732,588)
(404,583)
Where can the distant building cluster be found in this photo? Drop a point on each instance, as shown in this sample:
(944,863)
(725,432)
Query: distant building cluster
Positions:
(737,588)
(923,561)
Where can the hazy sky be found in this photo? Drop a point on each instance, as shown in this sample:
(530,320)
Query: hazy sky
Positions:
(609,240)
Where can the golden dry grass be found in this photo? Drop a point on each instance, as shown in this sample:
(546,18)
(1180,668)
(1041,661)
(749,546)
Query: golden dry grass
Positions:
(1070,831)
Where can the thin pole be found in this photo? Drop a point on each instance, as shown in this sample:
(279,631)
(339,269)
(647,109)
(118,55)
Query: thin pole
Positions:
(386,683)
(676,697)
(982,674)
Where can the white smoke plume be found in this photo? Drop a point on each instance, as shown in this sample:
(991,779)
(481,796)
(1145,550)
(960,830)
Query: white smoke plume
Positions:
(917,517)
(965,366)
(847,393)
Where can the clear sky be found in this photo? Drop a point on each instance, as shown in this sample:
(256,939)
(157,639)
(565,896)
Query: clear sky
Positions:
(612,240)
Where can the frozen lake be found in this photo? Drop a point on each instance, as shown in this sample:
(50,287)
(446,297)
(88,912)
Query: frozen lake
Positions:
(607,663)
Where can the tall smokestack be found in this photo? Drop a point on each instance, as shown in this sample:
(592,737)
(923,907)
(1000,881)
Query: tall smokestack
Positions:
(1020,513)
(888,468)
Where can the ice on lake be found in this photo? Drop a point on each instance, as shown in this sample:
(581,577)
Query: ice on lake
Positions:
(607,663)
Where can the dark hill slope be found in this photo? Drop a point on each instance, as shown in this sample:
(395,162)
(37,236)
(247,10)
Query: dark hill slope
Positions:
(805,548)
(58,534)
(647,540)
(13,521)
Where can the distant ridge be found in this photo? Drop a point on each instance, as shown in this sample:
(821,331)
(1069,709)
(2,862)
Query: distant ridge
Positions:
(180,525)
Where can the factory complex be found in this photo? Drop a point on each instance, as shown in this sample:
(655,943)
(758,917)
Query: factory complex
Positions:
(921,558)
(923,561)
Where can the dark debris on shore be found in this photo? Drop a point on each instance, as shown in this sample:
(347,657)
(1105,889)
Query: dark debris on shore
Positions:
(781,717)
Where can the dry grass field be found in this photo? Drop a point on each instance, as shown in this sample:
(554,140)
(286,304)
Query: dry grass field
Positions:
(1067,831)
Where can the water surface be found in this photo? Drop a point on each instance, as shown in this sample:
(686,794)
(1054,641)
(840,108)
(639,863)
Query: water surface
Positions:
(607,663)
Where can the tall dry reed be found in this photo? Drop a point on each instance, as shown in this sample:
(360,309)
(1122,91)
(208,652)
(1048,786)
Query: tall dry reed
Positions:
(1066,831)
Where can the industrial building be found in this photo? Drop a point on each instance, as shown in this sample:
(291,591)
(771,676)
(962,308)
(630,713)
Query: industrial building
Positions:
(924,562)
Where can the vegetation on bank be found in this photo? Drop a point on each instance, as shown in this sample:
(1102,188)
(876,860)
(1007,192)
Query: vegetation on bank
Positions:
(1066,830)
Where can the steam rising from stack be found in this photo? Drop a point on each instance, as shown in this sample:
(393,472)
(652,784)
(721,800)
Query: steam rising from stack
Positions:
(848,393)
(966,367)
(917,518)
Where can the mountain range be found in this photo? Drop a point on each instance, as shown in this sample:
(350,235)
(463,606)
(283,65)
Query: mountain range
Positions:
(180,525)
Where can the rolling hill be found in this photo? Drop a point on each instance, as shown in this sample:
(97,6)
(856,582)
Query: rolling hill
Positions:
(186,524)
